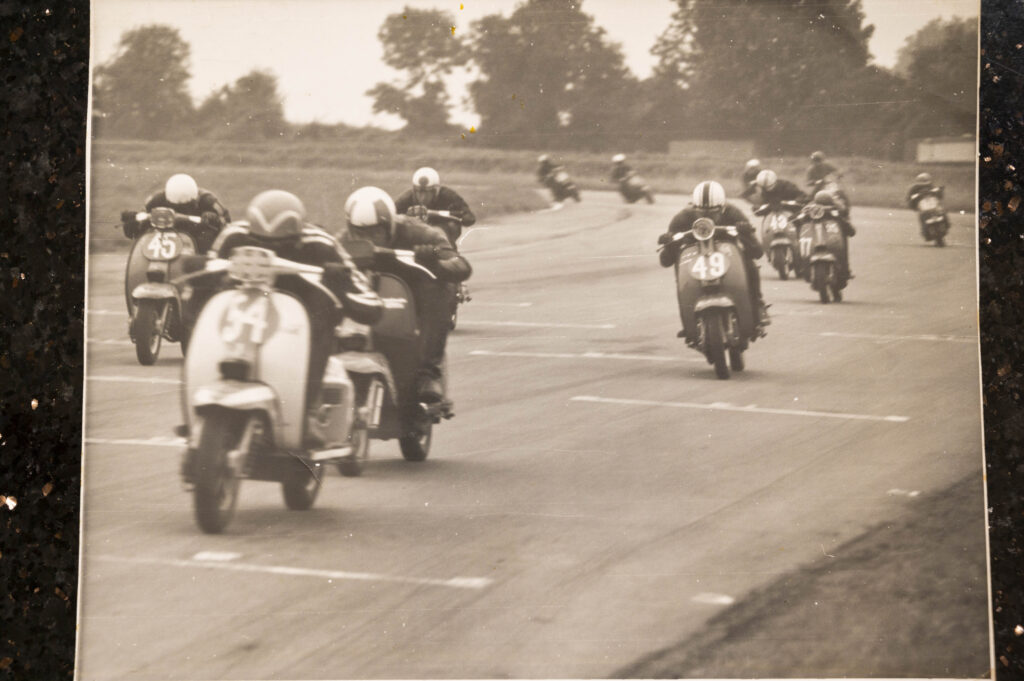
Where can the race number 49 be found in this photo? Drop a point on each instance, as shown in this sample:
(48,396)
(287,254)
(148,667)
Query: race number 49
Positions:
(709,266)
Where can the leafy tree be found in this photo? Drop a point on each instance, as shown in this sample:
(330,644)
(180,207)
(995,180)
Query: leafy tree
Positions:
(251,108)
(761,68)
(548,77)
(941,59)
(420,43)
(142,90)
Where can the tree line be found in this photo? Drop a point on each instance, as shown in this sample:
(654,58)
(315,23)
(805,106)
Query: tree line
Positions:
(790,75)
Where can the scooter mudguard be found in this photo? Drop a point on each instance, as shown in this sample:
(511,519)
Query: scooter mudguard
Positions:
(152,290)
(270,332)
(780,241)
(732,286)
(713,302)
(825,256)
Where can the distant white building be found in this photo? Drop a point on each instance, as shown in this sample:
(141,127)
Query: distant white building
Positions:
(961,149)
(698,148)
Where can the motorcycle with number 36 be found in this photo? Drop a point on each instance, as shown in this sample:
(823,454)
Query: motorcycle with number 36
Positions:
(245,392)
(154,303)
(713,294)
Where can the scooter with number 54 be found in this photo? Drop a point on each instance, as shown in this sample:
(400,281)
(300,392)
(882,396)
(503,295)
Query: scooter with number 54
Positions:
(154,303)
(713,294)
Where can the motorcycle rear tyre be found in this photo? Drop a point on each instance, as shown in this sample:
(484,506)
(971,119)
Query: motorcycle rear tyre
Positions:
(352,465)
(417,447)
(216,488)
(144,331)
(714,338)
(301,487)
(779,262)
(819,280)
(736,359)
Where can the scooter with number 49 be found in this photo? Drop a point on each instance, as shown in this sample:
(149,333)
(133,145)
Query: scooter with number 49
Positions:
(713,294)
(154,303)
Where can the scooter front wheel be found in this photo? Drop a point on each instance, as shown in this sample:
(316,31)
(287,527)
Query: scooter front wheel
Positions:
(147,330)
(352,465)
(714,335)
(302,486)
(819,280)
(216,485)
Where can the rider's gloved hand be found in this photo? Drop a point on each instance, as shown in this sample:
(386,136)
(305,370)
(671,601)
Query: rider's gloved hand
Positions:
(426,254)
(211,220)
(337,276)
(417,211)
(128,223)
(193,263)
(665,238)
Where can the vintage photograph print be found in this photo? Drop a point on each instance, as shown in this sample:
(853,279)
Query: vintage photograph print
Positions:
(533,339)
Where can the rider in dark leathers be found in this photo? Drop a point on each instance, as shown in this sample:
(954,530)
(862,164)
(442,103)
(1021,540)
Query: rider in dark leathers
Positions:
(427,193)
(183,195)
(370,214)
(775,190)
(709,201)
(827,200)
(276,220)
(923,186)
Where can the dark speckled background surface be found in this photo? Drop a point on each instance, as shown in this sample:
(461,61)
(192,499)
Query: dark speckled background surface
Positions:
(43,66)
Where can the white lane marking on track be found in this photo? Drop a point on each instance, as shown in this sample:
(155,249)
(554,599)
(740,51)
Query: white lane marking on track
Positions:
(480,304)
(714,599)
(134,379)
(539,325)
(882,337)
(896,491)
(584,355)
(467,233)
(138,442)
(750,408)
(217,556)
(609,257)
(108,341)
(454,582)
(109,313)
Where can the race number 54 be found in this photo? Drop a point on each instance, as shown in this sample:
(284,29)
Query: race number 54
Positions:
(246,322)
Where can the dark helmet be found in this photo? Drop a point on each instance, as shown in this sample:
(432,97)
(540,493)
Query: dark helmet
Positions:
(818,157)
(275,214)
(824,198)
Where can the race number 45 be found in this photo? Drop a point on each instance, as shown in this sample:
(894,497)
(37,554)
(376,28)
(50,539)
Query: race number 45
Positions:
(709,266)
(160,248)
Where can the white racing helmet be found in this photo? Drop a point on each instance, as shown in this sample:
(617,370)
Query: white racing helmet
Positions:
(370,214)
(766,180)
(619,158)
(752,164)
(426,184)
(709,196)
(181,189)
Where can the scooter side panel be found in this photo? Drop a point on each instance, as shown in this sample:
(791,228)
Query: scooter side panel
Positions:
(284,365)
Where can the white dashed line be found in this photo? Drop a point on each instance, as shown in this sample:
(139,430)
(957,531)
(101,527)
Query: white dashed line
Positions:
(750,409)
(109,313)
(138,442)
(482,304)
(903,492)
(134,379)
(454,582)
(714,599)
(217,556)
(885,338)
(109,341)
(584,355)
(539,325)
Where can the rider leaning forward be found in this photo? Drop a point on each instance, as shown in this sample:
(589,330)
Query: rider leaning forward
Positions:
(184,196)
(709,202)
(923,185)
(775,190)
(428,194)
(370,214)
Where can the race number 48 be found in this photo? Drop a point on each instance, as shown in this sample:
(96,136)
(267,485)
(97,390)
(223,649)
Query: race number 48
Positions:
(709,266)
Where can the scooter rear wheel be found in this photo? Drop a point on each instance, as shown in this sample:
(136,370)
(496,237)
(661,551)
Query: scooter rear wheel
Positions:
(736,359)
(302,486)
(819,280)
(417,447)
(147,332)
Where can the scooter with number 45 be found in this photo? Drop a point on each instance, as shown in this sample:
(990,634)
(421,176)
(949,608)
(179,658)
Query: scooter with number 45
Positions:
(713,294)
(154,303)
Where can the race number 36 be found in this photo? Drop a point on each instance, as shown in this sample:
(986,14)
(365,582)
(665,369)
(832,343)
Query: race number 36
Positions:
(709,266)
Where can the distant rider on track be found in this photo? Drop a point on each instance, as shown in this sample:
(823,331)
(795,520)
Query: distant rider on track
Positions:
(183,195)
(775,190)
(923,185)
(825,199)
(620,169)
(370,214)
(750,172)
(709,201)
(427,193)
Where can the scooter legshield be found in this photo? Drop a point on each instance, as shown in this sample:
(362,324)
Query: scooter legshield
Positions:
(733,286)
(272,333)
(397,337)
(138,262)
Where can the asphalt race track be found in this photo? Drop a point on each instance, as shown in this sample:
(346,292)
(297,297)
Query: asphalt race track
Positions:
(599,495)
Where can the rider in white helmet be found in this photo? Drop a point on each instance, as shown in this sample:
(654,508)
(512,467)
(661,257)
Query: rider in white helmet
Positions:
(709,201)
(750,171)
(182,194)
(370,214)
(922,186)
(620,169)
(428,194)
(774,189)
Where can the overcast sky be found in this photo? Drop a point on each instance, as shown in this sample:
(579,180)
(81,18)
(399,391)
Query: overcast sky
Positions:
(326,53)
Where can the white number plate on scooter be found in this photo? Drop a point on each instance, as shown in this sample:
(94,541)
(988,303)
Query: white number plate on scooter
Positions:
(707,267)
(163,246)
(928,203)
(250,319)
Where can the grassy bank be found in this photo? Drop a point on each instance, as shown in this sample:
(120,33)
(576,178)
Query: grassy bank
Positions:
(872,609)
(869,182)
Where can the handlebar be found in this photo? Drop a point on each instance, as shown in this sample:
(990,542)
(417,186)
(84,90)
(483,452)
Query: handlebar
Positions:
(142,216)
(729,230)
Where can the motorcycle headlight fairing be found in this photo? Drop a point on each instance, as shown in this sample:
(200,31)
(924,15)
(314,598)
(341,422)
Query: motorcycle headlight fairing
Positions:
(162,218)
(703,228)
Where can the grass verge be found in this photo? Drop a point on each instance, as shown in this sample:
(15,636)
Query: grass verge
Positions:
(907,598)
